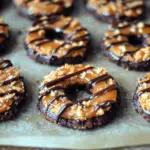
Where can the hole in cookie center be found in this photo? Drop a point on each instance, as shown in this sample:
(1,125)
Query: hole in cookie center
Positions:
(135,40)
(75,93)
(54,35)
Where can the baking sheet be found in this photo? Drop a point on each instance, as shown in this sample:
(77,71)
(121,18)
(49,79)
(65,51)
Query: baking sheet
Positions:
(30,129)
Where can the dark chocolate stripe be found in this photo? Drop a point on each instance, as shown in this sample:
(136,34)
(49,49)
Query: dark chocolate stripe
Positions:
(114,36)
(8,64)
(3,24)
(143,91)
(116,43)
(130,52)
(67,77)
(68,24)
(121,27)
(62,110)
(54,99)
(10,92)
(108,89)
(105,104)
(49,90)
(11,80)
(81,38)
(57,49)
(51,20)
(148,81)
(35,40)
(42,42)
(75,32)
(98,79)
(74,49)
(5,61)
(100,93)
(33,31)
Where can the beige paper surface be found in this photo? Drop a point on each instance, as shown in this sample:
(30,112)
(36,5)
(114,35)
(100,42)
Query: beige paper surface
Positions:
(30,129)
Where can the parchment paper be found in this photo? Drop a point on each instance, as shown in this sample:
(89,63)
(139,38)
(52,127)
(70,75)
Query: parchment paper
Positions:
(32,130)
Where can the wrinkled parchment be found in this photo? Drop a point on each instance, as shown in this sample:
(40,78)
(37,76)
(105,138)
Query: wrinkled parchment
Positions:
(30,129)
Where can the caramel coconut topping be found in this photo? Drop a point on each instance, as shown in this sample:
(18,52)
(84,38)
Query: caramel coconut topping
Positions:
(143,93)
(44,7)
(57,37)
(53,95)
(118,9)
(128,42)
(11,85)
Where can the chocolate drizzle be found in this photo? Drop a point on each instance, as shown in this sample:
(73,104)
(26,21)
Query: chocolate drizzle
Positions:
(67,77)
(89,85)
(62,110)
(54,99)
(98,79)
(11,80)
(108,89)
(104,104)
(7,64)
(143,91)
(3,24)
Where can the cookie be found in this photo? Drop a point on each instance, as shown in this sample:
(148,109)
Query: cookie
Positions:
(57,40)
(12,90)
(141,97)
(59,102)
(113,11)
(127,45)
(37,8)
(4,34)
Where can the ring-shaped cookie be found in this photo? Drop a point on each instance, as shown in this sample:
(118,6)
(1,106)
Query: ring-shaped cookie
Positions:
(128,45)
(57,40)
(83,113)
